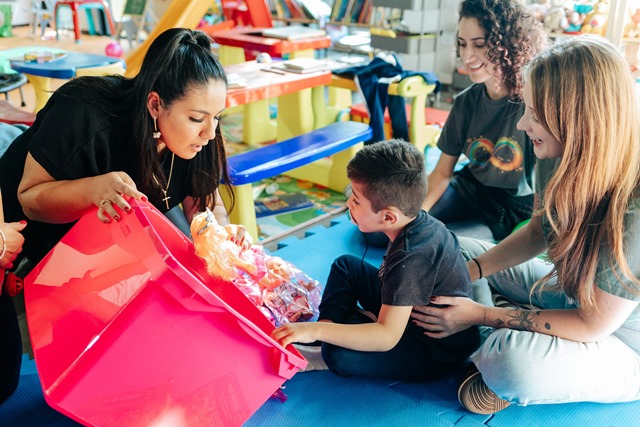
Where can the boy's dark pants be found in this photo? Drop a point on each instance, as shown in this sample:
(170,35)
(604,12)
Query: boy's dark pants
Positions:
(354,282)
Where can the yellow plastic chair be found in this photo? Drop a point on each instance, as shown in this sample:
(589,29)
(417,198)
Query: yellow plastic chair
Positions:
(103,70)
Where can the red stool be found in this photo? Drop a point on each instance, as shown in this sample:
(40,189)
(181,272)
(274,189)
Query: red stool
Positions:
(74,5)
(12,115)
(432,116)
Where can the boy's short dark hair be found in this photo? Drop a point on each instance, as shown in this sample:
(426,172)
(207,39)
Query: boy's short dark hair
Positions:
(392,173)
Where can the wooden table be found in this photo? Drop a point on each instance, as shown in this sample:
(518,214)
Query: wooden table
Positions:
(293,91)
(40,74)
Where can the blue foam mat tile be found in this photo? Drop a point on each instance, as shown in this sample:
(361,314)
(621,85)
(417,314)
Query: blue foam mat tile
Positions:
(315,253)
(569,415)
(27,407)
(324,399)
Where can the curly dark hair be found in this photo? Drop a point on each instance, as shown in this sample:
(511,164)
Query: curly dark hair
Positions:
(512,35)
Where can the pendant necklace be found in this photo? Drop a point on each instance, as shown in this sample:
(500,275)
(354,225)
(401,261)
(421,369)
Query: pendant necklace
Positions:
(165,190)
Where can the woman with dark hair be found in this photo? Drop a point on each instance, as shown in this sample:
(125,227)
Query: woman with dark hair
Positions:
(102,140)
(496,39)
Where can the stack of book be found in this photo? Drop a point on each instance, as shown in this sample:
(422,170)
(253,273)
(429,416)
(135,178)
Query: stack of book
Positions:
(302,65)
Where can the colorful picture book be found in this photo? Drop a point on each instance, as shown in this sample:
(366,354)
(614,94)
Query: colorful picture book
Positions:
(274,205)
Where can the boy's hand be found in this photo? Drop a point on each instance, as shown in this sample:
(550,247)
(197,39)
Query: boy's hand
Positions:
(295,332)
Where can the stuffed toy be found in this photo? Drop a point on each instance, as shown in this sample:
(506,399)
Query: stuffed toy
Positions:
(574,22)
(280,290)
(555,21)
(596,21)
(632,29)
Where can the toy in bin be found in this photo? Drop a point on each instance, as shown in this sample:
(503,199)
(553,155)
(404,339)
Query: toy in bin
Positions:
(129,329)
(279,289)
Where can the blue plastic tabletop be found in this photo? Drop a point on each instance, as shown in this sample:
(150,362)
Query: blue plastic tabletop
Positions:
(65,67)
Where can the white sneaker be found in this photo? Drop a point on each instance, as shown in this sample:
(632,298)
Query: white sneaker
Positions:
(313,355)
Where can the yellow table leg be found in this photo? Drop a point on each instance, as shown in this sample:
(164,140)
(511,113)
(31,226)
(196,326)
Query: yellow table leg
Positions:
(295,114)
(244,211)
(231,55)
(42,87)
(326,113)
(257,126)
(307,53)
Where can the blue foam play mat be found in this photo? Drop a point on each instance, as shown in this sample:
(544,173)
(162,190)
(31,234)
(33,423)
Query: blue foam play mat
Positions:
(320,398)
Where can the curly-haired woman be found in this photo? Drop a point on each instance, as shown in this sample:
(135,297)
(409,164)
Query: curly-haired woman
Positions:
(583,342)
(496,39)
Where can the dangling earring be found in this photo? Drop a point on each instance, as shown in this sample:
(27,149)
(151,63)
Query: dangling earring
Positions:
(156,133)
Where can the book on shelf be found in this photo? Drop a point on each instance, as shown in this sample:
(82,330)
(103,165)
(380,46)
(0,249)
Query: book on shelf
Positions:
(294,32)
(275,205)
(351,11)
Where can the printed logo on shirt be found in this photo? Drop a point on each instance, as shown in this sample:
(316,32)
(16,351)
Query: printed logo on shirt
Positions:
(505,156)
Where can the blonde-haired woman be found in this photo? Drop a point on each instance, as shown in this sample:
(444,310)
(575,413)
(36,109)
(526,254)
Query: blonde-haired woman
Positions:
(583,344)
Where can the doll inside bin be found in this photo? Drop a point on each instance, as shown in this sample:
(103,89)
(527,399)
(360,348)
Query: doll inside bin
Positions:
(279,289)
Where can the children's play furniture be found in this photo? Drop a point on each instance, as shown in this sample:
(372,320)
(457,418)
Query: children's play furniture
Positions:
(10,82)
(339,140)
(412,88)
(76,6)
(40,74)
(294,101)
(432,116)
(236,41)
(12,115)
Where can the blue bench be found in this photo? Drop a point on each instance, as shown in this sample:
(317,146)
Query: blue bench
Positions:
(320,156)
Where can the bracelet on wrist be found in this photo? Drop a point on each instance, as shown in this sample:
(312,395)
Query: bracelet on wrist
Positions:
(479,267)
(4,244)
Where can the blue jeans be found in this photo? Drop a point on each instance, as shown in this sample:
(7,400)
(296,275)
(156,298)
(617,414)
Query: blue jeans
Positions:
(532,368)
(460,216)
(354,283)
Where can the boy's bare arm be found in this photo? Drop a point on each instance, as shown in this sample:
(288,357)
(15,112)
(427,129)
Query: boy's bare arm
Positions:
(380,336)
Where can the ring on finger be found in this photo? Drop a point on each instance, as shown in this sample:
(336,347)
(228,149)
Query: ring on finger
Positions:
(105,201)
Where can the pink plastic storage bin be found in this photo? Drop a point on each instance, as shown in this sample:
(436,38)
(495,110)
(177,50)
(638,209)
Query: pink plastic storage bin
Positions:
(129,330)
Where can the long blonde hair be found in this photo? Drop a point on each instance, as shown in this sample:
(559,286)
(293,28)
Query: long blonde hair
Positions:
(583,94)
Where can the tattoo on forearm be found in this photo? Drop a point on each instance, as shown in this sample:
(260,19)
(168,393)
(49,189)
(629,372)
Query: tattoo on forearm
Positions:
(522,320)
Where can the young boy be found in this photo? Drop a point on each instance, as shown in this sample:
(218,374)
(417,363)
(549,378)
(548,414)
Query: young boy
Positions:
(423,260)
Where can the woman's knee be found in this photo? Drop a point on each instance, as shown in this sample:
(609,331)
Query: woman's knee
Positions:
(509,362)
(472,248)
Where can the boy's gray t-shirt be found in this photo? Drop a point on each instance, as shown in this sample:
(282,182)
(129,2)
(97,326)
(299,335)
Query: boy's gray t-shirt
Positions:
(423,261)
(605,275)
(484,130)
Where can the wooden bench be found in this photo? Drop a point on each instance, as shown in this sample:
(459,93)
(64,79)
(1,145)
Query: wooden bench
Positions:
(339,140)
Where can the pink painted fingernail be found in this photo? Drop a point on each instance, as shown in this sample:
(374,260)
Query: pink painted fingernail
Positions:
(144,198)
(116,217)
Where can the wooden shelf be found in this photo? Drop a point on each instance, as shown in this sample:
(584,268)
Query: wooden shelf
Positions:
(349,24)
(295,20)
